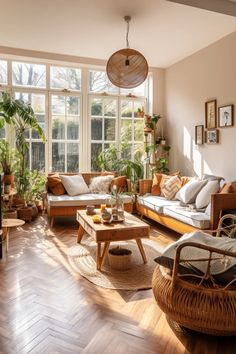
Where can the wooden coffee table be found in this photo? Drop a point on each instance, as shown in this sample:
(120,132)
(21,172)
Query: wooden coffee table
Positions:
(131,228)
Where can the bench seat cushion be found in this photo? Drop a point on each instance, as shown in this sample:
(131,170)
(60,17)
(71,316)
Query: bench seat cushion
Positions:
(156,203)
(188,216)
(81,200)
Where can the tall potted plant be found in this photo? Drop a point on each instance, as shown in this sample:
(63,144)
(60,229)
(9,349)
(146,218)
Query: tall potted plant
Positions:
(9,159)
(21,117)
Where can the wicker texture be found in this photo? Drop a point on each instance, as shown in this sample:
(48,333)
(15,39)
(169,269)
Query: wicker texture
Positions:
(197,302)
(145,186)
(127,76)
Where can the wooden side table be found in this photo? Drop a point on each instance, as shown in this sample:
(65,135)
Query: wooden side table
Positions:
(7,224)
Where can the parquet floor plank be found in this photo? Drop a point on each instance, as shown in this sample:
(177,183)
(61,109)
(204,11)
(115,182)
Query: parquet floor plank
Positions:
(46,307)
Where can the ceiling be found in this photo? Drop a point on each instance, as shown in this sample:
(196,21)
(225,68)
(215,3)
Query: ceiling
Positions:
(164,31)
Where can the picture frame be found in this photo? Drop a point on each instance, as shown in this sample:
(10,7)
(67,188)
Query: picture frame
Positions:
(199,130)
(212,136)
(210,114)
(226,116)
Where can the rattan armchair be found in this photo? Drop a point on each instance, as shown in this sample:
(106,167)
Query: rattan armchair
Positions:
(198,302)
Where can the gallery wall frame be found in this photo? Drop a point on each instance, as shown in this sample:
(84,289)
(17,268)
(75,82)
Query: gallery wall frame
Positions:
(210,114)
(212,136)
(226,116)
(199,134)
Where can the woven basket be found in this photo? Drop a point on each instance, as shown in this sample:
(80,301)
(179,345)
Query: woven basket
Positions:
(25,213)
(195,305)
(119,258)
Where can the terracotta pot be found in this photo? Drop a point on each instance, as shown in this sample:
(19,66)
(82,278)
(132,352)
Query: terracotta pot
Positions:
(10,214)
(9,179)
(25,213)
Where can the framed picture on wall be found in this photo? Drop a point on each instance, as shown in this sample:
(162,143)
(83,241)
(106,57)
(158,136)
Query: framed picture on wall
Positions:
(226,116)
(212,136)
(199,129)
(210,114)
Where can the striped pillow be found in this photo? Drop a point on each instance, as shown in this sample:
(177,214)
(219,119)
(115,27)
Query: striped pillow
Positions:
(171,187)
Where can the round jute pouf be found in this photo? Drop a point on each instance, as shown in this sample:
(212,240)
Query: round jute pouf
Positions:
(82,258)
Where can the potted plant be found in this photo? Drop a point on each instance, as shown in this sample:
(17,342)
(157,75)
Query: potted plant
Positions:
(141,112)
(8,160)
(119,258)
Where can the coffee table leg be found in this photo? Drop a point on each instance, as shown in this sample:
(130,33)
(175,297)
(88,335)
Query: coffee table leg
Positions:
(104,253)
(141,249)
(99,248)
(80,234)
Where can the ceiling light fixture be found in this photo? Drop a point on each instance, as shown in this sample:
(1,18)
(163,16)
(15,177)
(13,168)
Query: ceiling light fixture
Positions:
(127,68)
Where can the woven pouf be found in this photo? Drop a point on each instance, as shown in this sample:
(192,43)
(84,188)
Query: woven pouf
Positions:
(206,310)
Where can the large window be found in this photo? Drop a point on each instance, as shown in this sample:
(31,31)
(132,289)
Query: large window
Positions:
(80,111)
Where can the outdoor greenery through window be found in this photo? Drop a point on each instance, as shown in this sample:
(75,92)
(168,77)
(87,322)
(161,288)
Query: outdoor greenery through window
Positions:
(80,111)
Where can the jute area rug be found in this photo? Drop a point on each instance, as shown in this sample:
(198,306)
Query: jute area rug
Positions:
(82,258)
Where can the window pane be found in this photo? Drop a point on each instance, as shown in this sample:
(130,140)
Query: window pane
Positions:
(58,157)
(95,151)
(73,105)
(126,108)
(110,108)
(96,107)
(138,130)
(96,129)
(72,128)
(109,129)
(126,130)
(72,157)
(138,151)
(138,105)
(58,128)
(24,74)
(3,72)
(38,103)
(41,121)
(38,156)
(2,133)
(126,153)
(68,78)
(99,82)
(137,91)
(58,105)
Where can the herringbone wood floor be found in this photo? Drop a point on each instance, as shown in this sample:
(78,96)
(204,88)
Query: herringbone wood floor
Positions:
(46,308)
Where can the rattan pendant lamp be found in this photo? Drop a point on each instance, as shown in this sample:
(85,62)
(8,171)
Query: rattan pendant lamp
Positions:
(127,68)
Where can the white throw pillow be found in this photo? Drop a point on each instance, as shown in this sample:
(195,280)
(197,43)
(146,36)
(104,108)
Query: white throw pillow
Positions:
(100,184)
(204,196)
(187,194)
(208,210)
(74,185)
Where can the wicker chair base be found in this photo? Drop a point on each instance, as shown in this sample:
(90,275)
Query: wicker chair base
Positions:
(205,310)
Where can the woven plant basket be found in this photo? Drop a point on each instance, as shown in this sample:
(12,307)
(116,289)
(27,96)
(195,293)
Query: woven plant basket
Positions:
(119,258)
(25,213)
(198,307)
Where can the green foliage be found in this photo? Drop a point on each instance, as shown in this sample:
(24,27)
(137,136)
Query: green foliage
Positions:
(9,158)
(29,185)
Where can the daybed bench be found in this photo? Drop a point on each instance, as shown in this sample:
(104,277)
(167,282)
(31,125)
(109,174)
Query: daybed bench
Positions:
(183,219)
(65,205)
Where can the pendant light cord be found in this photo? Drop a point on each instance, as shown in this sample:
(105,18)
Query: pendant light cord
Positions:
(127,19)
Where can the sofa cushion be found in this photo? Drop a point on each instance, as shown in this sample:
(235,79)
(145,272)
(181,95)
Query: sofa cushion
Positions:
(222,268)
(188,216)
(101,184)
(74,184)
(55,185)
(204,196)
(120,182)
(171,187)
(212,177)
(82,199)
(155,203)
(156,189)
(187,194)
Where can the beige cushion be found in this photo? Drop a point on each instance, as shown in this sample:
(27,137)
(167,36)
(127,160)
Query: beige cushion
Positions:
(187,194)
(101,184)
(171,187)
(204,196)
(74,185)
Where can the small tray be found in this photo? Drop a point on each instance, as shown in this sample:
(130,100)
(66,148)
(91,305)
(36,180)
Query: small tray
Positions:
(112,220)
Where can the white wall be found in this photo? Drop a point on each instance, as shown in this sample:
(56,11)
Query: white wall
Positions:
(208,74)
